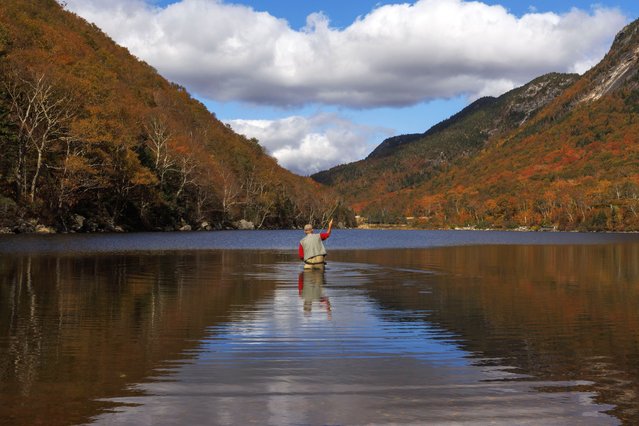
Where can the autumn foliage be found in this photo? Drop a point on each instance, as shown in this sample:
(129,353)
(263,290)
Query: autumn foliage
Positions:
(94,139)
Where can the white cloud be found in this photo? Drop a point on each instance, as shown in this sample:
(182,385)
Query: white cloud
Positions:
(306,145)
(494,87)
(398,54)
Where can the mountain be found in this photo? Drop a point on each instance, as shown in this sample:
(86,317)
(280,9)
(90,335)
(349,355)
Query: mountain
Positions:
(560,152)
(404,162)
(94,139)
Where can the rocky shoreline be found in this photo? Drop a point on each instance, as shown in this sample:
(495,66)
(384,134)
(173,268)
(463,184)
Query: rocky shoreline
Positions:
(83,225)
(80,224)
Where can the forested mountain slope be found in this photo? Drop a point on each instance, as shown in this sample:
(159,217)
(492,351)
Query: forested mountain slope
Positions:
(405,162)
(94,139)
(574,164)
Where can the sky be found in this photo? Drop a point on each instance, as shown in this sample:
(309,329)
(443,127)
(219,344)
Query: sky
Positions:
(323,82)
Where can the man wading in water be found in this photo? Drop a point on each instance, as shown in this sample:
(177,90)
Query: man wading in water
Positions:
(311,249)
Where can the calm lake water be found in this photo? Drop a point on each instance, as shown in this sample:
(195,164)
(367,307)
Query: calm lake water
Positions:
(403,327)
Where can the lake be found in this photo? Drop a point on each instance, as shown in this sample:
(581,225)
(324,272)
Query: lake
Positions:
(403,327)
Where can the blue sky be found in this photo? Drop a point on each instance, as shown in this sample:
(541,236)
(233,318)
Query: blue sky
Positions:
(343,13)
(322,82)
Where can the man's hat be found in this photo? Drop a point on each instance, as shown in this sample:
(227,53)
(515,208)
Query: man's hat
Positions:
(308,227)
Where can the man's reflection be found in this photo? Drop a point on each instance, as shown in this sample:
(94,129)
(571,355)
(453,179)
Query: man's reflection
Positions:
(310,285)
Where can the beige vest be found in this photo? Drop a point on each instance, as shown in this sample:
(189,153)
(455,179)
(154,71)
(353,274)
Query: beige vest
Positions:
(312,245)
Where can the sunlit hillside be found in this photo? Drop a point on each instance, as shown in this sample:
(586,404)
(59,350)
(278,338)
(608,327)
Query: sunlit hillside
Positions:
(94,139)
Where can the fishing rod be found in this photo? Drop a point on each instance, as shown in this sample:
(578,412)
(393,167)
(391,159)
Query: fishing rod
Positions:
(330,215)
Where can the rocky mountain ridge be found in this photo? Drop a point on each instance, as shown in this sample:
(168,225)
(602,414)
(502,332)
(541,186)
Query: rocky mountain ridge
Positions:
(622,67)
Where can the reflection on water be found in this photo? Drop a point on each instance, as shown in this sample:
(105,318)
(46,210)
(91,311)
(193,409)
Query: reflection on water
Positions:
(277,364)
(74,330)
(501,334)
(310,284)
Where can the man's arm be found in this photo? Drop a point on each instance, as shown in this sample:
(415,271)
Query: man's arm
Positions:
(325,235)
(300,251)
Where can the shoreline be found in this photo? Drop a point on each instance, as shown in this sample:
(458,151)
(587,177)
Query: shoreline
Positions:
(400,227)
(49,230)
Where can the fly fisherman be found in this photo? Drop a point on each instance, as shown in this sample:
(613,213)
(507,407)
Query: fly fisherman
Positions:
(311,249)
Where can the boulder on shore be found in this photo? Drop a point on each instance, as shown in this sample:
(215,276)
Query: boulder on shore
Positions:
(244,224)
(205,226)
